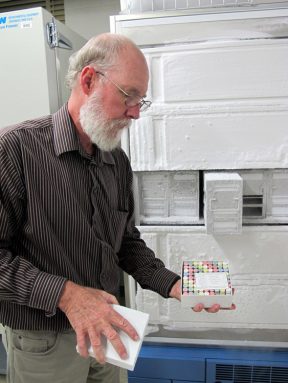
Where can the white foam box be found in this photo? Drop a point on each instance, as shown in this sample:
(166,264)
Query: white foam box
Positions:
(139,321)
(223,203)
(170,197)
(206,282)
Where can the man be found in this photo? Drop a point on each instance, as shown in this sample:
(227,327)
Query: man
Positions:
(66,209)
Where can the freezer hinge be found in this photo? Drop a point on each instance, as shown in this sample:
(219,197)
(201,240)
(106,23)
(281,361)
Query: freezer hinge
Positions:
(56,39)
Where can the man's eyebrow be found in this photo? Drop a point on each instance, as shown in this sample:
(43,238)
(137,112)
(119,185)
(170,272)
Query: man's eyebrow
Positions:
(133,91)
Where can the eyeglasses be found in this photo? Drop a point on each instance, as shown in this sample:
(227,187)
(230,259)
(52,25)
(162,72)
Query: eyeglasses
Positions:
(130,100)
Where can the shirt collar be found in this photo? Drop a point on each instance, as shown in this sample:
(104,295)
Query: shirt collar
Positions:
(66,139)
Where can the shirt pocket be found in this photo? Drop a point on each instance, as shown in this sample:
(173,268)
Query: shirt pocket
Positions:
(109,226)
(118,225)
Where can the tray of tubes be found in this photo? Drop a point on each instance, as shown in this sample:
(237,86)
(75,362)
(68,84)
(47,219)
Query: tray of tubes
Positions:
(206,282)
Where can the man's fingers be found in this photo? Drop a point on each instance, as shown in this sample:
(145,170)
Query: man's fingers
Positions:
(119,322)
(197,308)
(116,342)
(112,300)
(109,298)
(82,345)
(98,345)
(213,309)
(99,354)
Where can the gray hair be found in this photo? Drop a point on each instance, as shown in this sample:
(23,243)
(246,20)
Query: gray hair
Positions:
(101,51)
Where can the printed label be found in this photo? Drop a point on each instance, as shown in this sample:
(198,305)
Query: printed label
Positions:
(12,21)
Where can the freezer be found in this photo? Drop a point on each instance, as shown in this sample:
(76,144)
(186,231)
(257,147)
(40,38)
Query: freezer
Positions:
(210,167)
(35,49)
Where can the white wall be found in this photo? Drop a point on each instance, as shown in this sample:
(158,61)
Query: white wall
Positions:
(90,17)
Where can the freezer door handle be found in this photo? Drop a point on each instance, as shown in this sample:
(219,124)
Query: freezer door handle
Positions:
(56,39)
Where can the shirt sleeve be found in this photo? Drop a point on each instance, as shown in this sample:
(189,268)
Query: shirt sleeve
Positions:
(139,260)
(20,281)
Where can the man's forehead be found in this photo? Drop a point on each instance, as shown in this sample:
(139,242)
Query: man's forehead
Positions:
(133,81)
(133,59)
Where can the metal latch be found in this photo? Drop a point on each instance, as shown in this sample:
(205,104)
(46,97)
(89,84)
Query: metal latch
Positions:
(56,39)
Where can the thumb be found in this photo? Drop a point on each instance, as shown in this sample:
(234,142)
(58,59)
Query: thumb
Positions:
(109,298)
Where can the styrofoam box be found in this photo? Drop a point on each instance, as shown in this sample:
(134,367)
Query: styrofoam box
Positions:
(139,321)
(223,203)
(167,197)
(206,282)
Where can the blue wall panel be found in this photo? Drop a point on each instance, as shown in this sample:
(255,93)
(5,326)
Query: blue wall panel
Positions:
(178,363)
(149,380)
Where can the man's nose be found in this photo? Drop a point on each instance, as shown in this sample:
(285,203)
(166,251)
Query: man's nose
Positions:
(133,112)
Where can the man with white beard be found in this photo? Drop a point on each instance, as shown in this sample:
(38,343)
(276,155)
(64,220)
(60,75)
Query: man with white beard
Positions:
(66,208)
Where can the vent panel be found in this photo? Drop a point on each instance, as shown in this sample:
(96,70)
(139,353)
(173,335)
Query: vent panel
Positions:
(230,373)
(56,7)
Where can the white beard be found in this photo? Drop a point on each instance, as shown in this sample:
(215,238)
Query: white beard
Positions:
(105,133)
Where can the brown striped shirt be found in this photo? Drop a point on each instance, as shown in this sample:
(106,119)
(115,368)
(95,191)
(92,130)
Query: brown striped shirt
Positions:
(64,215)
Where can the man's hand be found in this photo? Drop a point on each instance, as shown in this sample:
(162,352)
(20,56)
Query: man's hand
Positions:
(90,314)
(176,293)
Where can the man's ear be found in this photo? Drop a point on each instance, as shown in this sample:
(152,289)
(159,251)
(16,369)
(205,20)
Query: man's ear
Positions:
(87,79)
